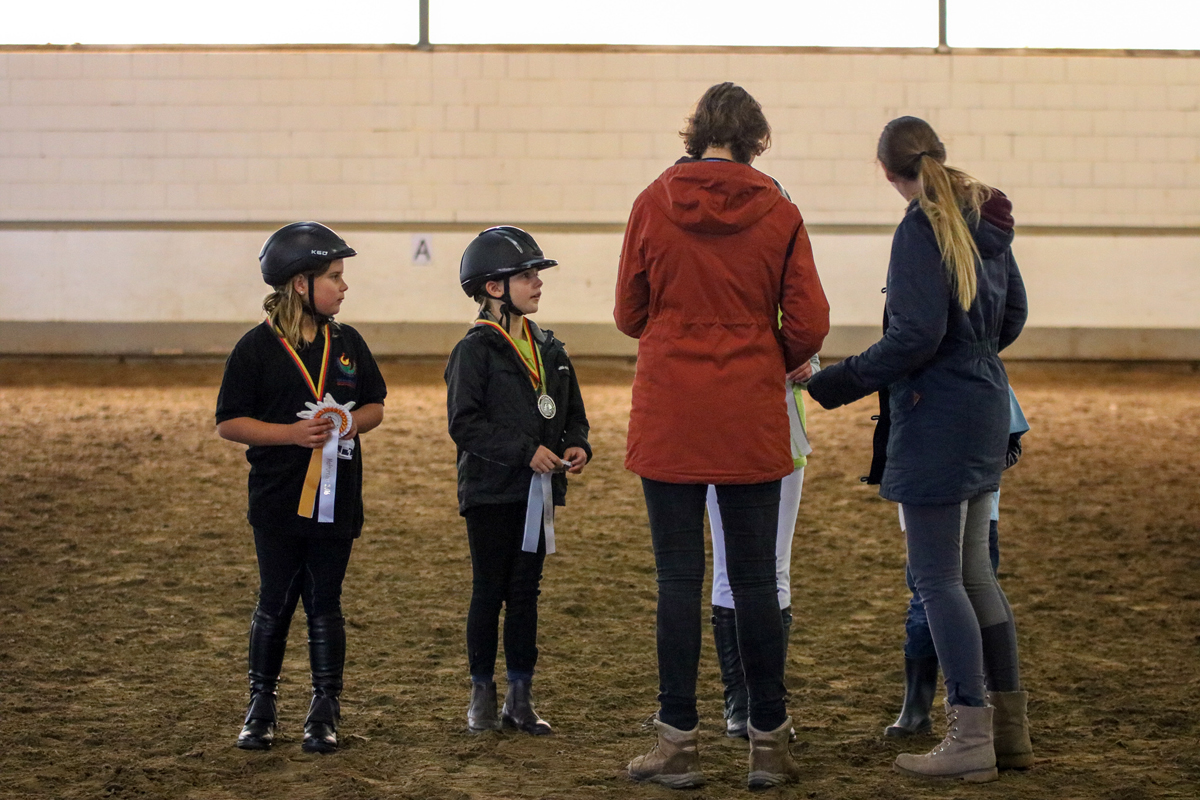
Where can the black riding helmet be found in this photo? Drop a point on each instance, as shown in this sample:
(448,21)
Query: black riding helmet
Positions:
(496,254)
(299,248)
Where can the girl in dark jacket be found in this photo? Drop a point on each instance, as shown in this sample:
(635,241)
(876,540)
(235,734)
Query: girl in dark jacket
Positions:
(954,300)
(517,417)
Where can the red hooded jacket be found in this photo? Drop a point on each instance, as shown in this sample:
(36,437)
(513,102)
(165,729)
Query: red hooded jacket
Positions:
(717,283)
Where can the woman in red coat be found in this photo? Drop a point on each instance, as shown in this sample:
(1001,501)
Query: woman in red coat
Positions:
(718,285)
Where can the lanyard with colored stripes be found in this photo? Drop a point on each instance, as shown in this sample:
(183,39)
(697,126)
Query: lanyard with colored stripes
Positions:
(317,388)
(537,375)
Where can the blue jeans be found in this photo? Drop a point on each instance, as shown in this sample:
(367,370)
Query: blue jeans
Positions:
(750,514)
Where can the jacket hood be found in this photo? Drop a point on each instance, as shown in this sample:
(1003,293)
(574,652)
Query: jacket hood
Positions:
(714,197)
(540,335)
(994,233)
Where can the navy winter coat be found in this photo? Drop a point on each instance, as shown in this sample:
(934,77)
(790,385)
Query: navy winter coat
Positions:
(948,388)
(492,411)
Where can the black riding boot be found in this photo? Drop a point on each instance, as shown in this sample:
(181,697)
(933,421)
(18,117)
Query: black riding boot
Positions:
(786,614)
(326,656)
(268,639)
(518,710)
(737,699)
(920,685)
(481,713)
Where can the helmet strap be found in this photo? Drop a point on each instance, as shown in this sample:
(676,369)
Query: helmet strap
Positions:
(506,307)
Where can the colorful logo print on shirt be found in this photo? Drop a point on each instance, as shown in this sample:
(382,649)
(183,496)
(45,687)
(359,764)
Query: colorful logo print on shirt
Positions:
(348,370)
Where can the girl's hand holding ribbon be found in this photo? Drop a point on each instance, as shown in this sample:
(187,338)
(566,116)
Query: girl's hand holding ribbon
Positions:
(311,433)
(577,457)
(544,460)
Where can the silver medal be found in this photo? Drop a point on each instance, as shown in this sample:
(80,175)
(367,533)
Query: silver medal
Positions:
(546,406)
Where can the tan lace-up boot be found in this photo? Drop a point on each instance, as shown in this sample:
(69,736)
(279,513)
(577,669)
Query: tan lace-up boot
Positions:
(1010,727)
(674,761)
(771,761)
(966,754)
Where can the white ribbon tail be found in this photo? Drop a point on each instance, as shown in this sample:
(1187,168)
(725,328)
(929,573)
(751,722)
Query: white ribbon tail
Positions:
(548,512)
(327,494)
(539,514)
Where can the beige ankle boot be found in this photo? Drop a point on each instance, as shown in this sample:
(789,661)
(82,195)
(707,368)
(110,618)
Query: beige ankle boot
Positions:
(674,760)
(1010,728)
(966,754)
(771,761)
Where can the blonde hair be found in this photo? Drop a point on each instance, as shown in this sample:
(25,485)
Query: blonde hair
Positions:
(909,148)
(286,311)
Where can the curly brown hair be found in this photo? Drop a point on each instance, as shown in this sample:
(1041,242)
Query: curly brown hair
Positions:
(727,116)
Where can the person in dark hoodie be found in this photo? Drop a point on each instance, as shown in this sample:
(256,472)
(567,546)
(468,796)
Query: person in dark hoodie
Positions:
(516,416)
(955,299)
(717,283)
(920,656)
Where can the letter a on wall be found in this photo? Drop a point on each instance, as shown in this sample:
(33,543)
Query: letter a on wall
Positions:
(422,249)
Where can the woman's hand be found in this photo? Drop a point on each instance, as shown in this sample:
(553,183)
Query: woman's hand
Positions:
(802,373)
(311,433)
(544,460)
(578,457)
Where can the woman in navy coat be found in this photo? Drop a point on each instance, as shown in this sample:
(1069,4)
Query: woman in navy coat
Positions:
(954,300)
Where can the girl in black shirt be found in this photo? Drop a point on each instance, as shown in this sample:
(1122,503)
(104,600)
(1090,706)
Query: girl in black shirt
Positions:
(305,473)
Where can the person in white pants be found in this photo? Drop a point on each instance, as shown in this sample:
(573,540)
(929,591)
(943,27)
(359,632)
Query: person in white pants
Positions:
(724,619)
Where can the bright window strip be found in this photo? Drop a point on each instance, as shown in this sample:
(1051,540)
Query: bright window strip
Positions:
(827,23)
(1096,24)
(239,22)
(1100,24)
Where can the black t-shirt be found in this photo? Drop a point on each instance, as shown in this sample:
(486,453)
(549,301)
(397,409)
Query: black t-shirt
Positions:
(263,382)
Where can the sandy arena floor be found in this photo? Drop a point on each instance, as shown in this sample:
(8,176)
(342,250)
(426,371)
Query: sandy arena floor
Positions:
(129,579)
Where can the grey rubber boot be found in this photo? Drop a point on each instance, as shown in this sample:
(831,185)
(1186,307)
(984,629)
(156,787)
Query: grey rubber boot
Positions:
(920,686)
(966,754)
(1010,729)
(674,761)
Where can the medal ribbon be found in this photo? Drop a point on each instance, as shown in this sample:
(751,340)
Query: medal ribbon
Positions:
(318,389)
(537,373)
(539,508)
(312,478)
(539,514)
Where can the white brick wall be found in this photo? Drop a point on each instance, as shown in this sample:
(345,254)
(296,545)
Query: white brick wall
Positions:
(272,131)
(569,137)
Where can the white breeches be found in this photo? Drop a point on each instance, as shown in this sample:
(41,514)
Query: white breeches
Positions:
(789,507)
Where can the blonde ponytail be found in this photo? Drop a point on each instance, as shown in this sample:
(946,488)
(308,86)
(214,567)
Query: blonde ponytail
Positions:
(944,193)
(909,148)
(285,311)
